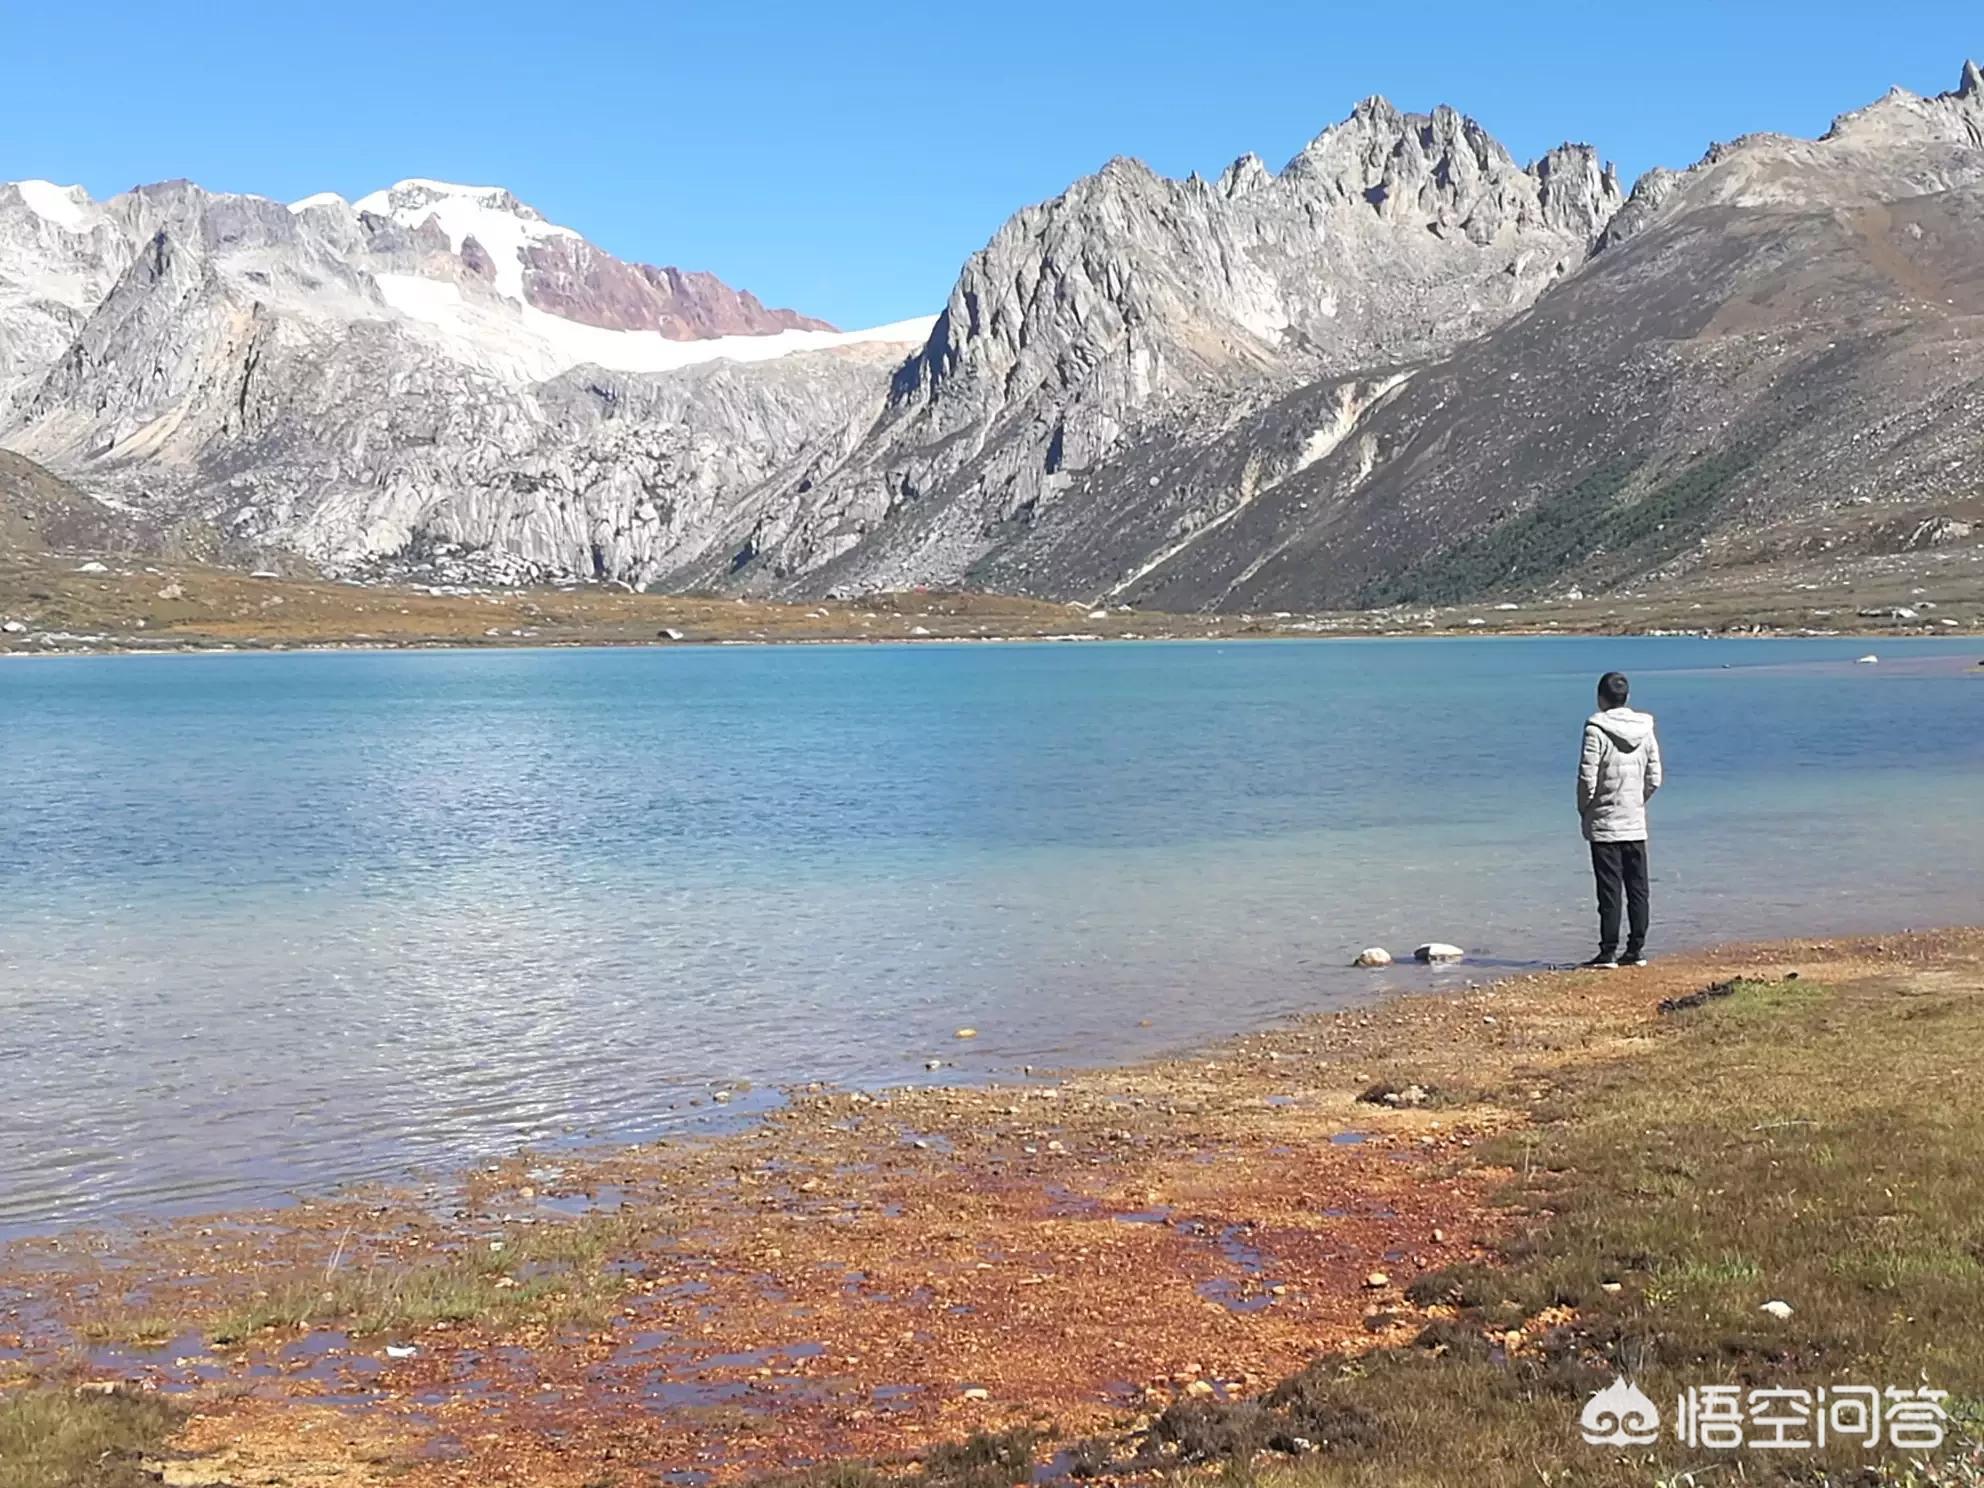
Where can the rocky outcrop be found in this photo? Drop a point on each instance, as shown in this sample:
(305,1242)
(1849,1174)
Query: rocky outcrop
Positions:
(1391,238)
(572,279)
(1771,355)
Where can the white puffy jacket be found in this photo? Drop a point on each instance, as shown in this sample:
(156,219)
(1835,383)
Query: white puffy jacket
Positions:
(1618,773)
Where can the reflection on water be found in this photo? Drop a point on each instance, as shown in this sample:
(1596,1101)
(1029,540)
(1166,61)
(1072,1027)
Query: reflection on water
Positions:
(275,922)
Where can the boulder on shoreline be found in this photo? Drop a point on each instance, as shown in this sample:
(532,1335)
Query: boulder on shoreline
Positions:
(1438,952)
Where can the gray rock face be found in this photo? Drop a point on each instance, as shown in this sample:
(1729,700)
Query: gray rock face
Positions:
(1390,239)
(1768,346)
(353,383)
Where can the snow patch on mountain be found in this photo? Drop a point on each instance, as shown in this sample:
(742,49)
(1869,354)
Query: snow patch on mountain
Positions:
(525,344)
(502,225)
(67,207)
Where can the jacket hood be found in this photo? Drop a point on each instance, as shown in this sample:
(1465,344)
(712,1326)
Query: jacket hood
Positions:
(1627,727)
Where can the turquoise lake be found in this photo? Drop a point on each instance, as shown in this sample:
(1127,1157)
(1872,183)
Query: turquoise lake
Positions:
(272,923)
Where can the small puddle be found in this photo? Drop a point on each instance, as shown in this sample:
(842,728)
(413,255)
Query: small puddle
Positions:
(760,1358)
(1064,1203)
(1246,1293)
(693,1394)
(609,1199)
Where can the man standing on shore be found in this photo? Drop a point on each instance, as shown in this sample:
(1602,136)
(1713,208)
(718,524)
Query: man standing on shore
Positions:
(1618,772)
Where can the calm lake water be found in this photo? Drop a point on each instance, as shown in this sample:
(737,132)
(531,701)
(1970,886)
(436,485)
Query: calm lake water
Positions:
(272,923)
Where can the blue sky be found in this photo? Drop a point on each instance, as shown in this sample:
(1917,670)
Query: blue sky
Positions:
(845,158)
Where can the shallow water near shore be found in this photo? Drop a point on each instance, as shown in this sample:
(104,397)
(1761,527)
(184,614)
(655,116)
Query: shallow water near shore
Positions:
(274,923)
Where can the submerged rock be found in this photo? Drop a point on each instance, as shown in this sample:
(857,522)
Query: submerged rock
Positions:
(1373,956)
(1435,952)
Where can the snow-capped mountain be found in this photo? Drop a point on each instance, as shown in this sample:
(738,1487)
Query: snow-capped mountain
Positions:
(1404,366)
(347,378)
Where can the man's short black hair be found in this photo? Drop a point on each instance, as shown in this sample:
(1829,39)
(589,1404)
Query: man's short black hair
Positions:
(1613,689)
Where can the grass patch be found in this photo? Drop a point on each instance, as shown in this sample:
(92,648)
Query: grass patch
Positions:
(1784,1141)
(549,1273)
(1569,528)
(51,1438)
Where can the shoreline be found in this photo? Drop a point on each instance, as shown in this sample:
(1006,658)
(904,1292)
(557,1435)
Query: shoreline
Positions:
(743,1102)
(133,606)
(862,1273)
(337,648)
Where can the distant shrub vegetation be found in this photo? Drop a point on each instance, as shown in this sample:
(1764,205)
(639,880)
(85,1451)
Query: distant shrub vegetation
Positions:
(1563,531)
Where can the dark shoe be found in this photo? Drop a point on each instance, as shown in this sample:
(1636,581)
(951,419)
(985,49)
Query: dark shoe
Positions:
(1600,962)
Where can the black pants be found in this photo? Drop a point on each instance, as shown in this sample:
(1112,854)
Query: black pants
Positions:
(1620,868)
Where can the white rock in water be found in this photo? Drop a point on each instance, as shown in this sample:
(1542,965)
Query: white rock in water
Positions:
(1373,956)
(1868,660)
(1437,950)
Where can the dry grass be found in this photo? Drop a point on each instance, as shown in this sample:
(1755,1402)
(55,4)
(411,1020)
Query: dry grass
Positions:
(55,1438)
(171,603)
(549,1273)
(1792,1142)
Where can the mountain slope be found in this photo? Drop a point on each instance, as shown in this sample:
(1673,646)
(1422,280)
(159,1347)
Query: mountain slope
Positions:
(352,382)
(1779,344)
(1403,369)
(1390,237)
(40,511)
(1782,339)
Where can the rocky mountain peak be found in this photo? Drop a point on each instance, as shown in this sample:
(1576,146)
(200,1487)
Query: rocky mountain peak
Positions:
(1578,192)
(410,198)
(1898,146)
(1899,115)
(1390,238)
(1248,173)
